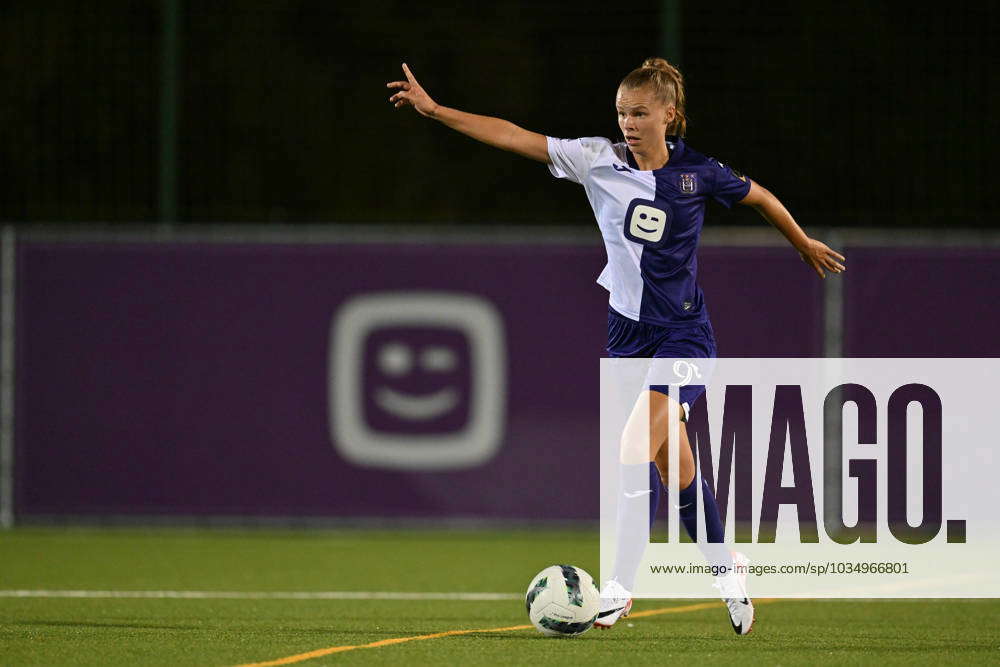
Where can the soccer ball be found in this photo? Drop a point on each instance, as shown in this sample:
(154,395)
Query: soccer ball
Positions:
(562,601)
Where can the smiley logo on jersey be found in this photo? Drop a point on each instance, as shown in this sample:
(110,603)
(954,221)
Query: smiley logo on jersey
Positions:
(647,223)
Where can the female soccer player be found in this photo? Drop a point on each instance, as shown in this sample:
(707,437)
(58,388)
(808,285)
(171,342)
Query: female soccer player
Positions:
(648,194)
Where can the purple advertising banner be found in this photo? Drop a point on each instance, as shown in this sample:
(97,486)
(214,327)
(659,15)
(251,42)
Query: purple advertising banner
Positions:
(338,380)
(922,302)
(764,302)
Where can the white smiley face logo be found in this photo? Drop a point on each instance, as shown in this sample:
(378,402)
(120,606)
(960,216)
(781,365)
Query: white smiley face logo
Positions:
(648,223)
(397,360)
(481,360)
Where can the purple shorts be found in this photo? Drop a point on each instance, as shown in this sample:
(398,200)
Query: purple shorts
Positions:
(628,338)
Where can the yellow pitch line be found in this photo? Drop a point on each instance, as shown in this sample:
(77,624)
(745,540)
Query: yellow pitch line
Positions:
(690,607)
(319,653)
(673,610)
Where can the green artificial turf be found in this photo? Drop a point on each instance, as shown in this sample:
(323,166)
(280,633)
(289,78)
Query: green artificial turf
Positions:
(68,631)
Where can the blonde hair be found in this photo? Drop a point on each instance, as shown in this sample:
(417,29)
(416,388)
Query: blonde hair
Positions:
(668,87)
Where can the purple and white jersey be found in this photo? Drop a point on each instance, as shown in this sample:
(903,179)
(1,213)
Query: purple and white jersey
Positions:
(650,221)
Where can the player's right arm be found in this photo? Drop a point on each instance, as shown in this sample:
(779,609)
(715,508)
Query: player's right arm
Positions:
(493,131)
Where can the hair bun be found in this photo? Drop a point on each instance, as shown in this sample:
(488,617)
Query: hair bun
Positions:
(657,63)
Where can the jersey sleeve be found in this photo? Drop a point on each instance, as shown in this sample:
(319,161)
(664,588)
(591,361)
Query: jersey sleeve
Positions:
(573,158)
(729,186)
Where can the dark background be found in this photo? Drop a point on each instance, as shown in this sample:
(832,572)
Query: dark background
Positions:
(855,114)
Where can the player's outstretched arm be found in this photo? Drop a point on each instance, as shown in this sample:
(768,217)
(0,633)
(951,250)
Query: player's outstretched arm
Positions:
(814,253)
(493,131)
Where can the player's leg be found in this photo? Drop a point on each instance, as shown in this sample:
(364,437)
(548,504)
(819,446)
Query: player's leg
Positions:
(687,356)
(638,494)
(687,471)
(639,481)
(652,423)
(697,345)
(689,481)
(664,413)
(731,583)
(630,339)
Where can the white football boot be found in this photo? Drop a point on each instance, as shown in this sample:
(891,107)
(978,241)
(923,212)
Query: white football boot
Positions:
(616,602)
(733,587)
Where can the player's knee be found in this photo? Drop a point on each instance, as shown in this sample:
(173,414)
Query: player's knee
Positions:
(686,476)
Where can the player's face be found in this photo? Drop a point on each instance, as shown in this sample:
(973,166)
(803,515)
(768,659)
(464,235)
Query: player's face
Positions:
(642,118)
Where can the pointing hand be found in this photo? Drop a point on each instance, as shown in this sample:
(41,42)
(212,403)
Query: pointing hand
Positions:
(410,92)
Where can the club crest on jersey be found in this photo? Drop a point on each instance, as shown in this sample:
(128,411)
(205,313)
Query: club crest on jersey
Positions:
(689,183)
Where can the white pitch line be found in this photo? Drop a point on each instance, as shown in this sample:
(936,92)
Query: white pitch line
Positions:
(260,595)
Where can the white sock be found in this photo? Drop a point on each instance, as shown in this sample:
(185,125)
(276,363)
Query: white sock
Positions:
(633,522)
